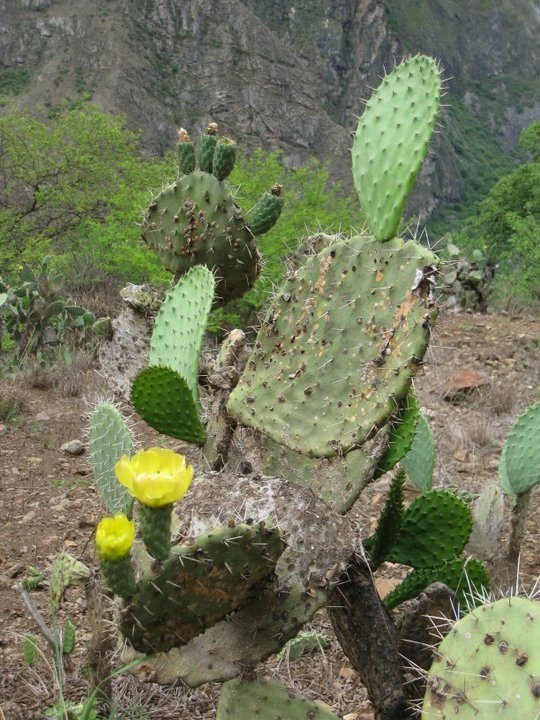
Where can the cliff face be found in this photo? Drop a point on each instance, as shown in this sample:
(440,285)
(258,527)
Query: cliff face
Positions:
(276,73)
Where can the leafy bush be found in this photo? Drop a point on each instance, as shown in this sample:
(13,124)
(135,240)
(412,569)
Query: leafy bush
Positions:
(36,314)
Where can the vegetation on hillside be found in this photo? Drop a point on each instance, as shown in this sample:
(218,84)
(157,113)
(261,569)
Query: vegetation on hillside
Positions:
(73,184)
(507,225)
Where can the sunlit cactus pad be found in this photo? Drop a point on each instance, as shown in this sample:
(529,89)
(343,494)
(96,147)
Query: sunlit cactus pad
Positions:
(488,666)
(392,140)
(200,584)
(336,351)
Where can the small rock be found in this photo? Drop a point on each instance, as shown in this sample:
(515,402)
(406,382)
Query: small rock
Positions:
(462,382)
(73,447)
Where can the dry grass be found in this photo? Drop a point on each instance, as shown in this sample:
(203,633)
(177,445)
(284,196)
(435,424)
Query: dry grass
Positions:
(499,399)
(65,373)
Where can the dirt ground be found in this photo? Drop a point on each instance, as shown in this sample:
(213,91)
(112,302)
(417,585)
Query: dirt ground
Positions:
(48,504)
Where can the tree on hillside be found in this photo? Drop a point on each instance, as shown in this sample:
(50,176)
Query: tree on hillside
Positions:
(507,226)
(57,172)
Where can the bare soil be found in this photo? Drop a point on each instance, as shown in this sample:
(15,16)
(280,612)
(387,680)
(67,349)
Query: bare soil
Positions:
(48,504)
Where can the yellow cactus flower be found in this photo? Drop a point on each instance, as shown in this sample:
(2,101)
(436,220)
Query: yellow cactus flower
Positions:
(156,477)
(115,536)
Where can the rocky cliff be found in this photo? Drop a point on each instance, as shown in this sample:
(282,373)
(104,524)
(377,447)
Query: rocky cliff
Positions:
(282,74)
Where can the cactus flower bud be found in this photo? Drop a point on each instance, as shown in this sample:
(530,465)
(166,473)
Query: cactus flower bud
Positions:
(156,477)
(114,537)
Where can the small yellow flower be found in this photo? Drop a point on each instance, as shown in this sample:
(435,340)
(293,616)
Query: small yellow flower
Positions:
(156,477)
(114,537)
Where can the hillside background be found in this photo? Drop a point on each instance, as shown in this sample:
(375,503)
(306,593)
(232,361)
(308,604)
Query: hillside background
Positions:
(286,75)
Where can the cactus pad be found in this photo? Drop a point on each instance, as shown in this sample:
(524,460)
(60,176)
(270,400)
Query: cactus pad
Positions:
(385,536)
(266,700)
(488,666)
(401,435)
(197,221)
(419,462)
(434,528)
(180,325)
(519,468)
(110,438)
(199,584)
(467,577)
(164,400)
(392,140)
(337,350)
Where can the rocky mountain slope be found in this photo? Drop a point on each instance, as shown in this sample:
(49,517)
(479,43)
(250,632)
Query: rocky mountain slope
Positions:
(284,74)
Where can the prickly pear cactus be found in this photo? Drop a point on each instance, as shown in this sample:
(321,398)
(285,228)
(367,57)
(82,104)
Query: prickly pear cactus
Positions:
(392,140)
(519,467)
(488,666)
(110,438)
(166,394)
(266,700)
(335,354)
(196,219)
(337,350)
(199,584)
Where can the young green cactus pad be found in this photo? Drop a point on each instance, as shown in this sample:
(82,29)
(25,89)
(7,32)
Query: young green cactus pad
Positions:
(110,438)
(163,399)
(392,140)
(266,700)
(488,666)
(180,326)
(434,528)
(419,462)
(199,584)
(519,467)
(196,219)
(337,349)
(403,430)
(166,395)
(467,577)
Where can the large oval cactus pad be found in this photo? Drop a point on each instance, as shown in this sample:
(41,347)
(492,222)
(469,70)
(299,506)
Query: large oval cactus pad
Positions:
(336,352)
(392,140)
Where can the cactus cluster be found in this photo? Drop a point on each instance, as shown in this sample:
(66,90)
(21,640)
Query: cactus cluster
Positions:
(488,665)
(429,536)
(331,366)
(196,220)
